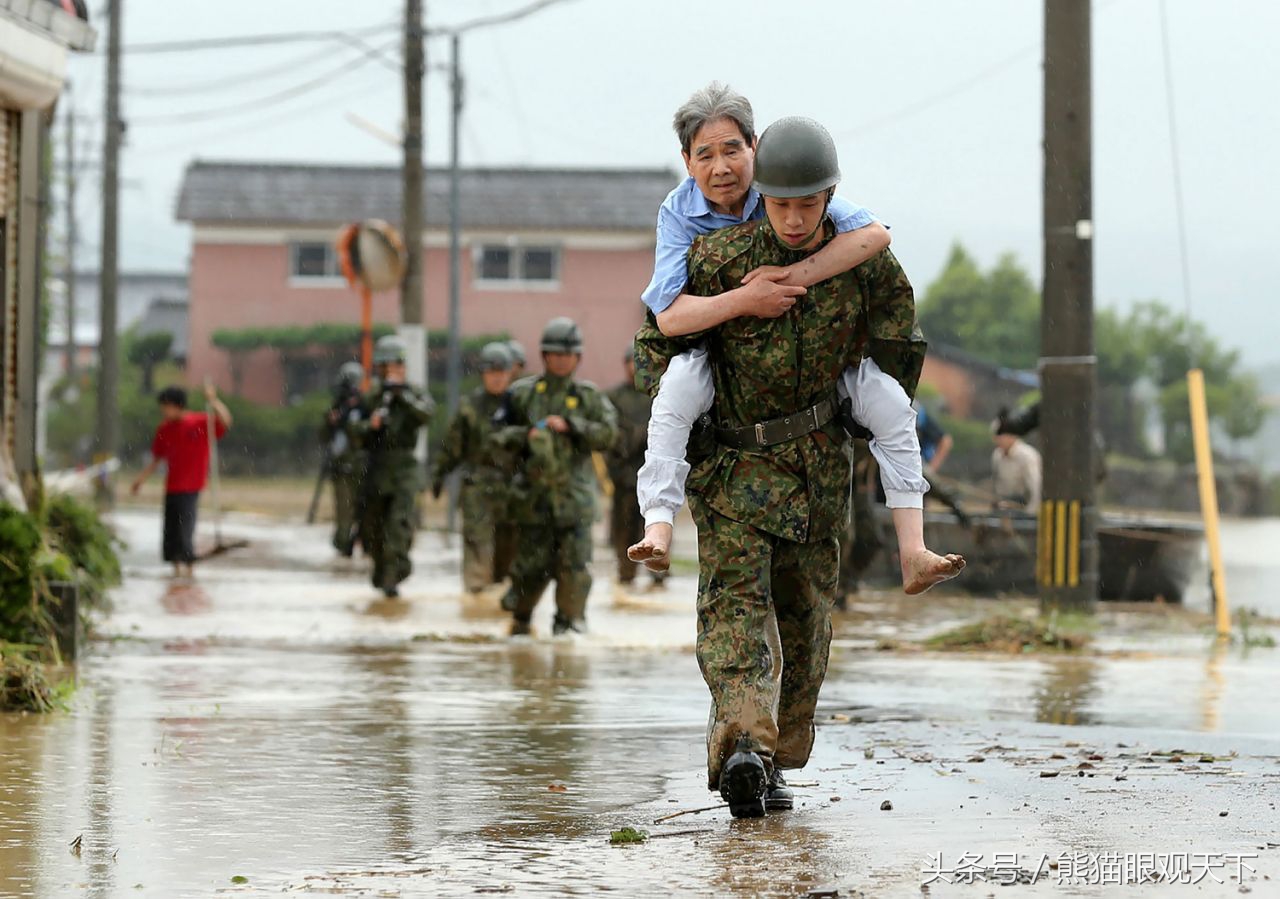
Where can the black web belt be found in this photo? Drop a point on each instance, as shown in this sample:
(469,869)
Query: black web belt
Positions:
(779,430)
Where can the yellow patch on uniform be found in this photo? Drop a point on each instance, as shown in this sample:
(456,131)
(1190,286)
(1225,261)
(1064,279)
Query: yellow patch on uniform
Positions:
(542,387)
(571,402)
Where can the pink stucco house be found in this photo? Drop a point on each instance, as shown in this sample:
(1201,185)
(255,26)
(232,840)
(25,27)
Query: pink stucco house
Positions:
(536,243)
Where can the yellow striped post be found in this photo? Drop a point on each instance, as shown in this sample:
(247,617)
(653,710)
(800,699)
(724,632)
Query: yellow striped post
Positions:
(1208,497)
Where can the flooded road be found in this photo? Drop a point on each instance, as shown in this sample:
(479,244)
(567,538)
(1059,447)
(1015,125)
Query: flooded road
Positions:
(279,724)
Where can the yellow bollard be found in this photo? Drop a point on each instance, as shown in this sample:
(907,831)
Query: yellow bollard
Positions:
(1208,497)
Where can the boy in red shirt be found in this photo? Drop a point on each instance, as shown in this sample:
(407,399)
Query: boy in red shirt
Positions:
(182,440)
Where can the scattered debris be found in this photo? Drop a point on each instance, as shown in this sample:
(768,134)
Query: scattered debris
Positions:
(628,835)
(690,811)
(1010,633)
(76,844)
(835,798)
(1048,773)
(1222,814)
(239,878)
(557,787)
(886,806)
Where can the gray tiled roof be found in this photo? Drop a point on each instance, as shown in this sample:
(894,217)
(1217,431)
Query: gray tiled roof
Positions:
(242,193)
(167,315)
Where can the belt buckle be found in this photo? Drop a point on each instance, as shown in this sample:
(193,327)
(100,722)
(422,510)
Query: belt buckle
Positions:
(760,434)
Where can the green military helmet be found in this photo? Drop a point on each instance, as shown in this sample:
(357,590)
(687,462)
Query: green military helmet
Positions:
(795,157)
(350,374)
(494,357)
(561,335)
(389,349)
(516,348)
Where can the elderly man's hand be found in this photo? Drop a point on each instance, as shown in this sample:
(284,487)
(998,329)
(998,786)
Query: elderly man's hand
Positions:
(766,296)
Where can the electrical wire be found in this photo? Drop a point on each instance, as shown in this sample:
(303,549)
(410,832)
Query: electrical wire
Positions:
(1177,170)
(289,93)
(251,76)
(255,40)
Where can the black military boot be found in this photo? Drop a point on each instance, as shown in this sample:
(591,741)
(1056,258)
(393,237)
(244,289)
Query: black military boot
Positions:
(520,628)
(778,796)
(561,626)
(391,591)
(509,601)
(743,780)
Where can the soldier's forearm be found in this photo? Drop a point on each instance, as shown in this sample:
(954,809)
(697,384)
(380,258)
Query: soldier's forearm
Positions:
(844,252)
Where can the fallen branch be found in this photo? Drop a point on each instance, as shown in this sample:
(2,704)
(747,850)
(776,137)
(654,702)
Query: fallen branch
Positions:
(690,811)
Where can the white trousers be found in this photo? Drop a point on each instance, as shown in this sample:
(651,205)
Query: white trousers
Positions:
(686,392)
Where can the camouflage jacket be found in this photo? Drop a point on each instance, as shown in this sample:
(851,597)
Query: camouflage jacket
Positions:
(405,411)
(627,453)
(344,455)
(557,477)
(768,368)
(467,445)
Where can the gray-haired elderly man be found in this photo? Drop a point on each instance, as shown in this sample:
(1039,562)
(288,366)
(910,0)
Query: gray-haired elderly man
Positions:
(716,130)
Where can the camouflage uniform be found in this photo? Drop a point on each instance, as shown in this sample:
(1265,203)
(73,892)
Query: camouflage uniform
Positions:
(487,471)
(346,462)
(769,519)
(393,480)
(557,485)
(624,459)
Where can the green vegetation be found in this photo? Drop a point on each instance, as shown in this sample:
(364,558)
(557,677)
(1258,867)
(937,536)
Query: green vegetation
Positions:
(995,315)
(627,835)
(1012,634)
(147,351)
(66,542)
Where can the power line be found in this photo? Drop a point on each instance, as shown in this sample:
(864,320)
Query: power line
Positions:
(251,76)
(497,19)
(256,104)
(1177,168)
(257,40)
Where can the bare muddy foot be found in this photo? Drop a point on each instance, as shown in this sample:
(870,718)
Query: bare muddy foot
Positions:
(924,569)
(654,549)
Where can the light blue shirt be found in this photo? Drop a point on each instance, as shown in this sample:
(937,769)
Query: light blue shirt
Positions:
(686,214)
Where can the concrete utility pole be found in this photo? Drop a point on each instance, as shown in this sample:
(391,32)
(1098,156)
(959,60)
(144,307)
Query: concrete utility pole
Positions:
(455,240)
(414,69)
(69,262)
(1067,558)
(108,348)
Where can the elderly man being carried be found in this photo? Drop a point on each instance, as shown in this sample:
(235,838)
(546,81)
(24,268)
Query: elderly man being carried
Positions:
(716,131)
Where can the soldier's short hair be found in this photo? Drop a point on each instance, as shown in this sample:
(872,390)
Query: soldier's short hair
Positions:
(715,101)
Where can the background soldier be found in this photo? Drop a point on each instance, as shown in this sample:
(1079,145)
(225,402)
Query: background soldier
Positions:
(507,539)
(344,459)
(394,411)
(486,469)
(624,460)
(556,422)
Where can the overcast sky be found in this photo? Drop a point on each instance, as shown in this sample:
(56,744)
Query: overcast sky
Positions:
(935,106)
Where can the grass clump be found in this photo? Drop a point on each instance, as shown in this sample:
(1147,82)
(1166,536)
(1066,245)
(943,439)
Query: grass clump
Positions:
(1014,634)
(627,835)
(26,684)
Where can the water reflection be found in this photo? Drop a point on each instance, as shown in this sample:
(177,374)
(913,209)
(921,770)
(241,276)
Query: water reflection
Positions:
(183,597)
(1066,690)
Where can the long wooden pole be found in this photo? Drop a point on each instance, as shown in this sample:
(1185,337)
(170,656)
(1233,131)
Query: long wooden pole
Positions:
(1208,498)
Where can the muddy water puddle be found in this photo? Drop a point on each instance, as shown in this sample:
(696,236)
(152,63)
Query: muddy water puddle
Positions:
(278,722)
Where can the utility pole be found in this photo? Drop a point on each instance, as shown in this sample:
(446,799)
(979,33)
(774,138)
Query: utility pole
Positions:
(108,349)
(455,241)
(1067,557)
(69,267)
(414,69)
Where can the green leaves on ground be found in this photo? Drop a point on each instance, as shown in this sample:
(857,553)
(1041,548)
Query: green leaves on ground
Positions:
(1011,633)
(628,835)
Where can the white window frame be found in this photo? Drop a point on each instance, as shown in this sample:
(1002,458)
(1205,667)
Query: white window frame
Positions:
(518,282)
(326,280)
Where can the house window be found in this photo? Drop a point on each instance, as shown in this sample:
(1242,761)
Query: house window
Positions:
(514,266)
(314,261)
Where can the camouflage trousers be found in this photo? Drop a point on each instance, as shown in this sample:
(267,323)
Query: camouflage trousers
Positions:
(626,526)
(346,493)
(482,507)
(387,534)
(764,634)
(548,552)
(506,542)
